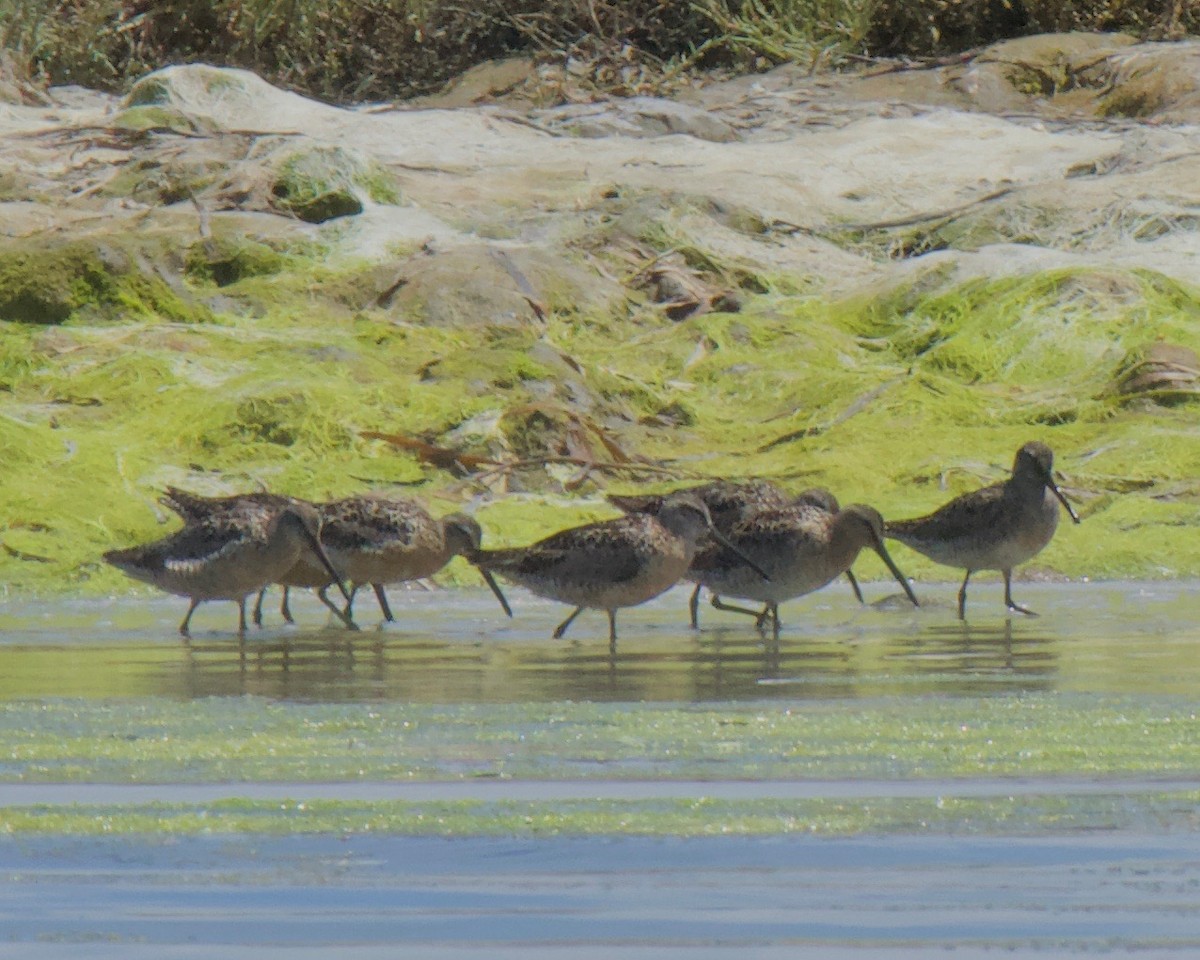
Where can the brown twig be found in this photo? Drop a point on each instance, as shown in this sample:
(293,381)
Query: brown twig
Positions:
(916,218)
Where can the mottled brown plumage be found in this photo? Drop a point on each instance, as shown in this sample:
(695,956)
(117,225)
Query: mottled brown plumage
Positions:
(996,528)
(800,547)
(379,540)
(607,565)
(371,539)
(230,553)
(728,503)
(195,508)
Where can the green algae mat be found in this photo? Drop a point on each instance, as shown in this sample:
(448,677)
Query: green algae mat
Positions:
(900,401)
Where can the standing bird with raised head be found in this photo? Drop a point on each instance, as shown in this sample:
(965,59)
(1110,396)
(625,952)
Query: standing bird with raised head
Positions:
(996,528)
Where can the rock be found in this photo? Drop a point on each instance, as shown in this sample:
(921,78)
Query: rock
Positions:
(836,181)
(226,259)
(143,118)
(489,284)
(1164,372)
(225,98)
(318,183)
(312,182)
(53,282)
(636,117)
(1154,80)
(487,82)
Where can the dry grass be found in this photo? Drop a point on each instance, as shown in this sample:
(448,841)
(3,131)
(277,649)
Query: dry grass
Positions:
(346,50)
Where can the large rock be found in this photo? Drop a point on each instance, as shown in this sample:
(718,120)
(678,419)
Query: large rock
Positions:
(226,98)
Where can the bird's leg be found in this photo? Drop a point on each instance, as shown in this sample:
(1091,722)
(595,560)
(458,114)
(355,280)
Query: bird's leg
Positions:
(694,608)
(854,586)
(612,630)
(258,605)
(562,627)
(184,627)
(285,608)
(770,612)
(343,615)
(1008,600)
(720,604)
(962,597)
(383,603)
(241,616)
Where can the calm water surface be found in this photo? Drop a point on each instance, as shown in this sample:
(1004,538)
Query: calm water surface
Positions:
(456,647)
(1058,893)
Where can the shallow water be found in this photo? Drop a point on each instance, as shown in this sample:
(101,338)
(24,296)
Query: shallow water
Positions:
(456,647)
(596,898)
(1071,864)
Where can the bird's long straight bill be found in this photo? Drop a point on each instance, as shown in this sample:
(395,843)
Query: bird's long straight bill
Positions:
(738,553)
(900,578)
(320,553)
(1062,498)
(491,582)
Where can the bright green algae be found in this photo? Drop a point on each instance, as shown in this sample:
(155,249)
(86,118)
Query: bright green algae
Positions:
(1006,816)
(952,741)
(252,740)
(900,401)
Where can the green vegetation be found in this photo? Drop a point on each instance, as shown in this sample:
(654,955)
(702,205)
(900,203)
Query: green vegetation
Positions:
(142,118)
(152,740)
(894,739)
(321,183)
(367,49)
(112,389)
(702,817)
(51,282)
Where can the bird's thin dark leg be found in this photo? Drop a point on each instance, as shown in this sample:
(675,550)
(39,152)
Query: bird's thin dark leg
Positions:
(854,586)
(258,605)
(720,604)
(343,615)
(694,608)
(241,617)
(184,628)
(496,591)
(612,628)
(383,603)
(769,612)
(1008,600)
(562,627)
(962,597)
(285,607)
